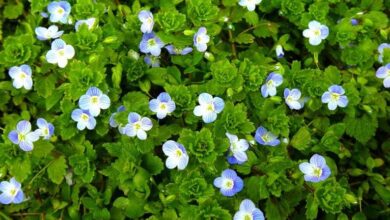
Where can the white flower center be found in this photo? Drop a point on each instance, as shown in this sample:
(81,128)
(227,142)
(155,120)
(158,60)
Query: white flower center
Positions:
(22,75)
(179,153)
(266,137)
(228,184)
(13,191)
(334,96)
(290,99)
(95,100)
(151,42)
(270,83)
(210,107)
(248,216)
(388,73)
(21,137)
(317,32)
(61,52)
(317,172)
(137,125)
(60,11)
(234,146)
(199,39)
(163,106)
(84,117)
(149,20)
(45,131)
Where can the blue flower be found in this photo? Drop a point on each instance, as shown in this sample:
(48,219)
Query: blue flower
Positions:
(89,22)
(176,51)
(381,49)
(152,61)
(335,97)
(265,137)
(229,183)
(163,105)
(209,107)
(23,136)
(150,43)
(316,170)
(269,88)
(316,32)
(238,148)
(11,192)
(59,11)
(84,119)
(21,76)
(46,129)
(60,53)
(249,4)
(279,51)
(137,126)
(94,100)
(177,155)
(48,33)
(293,99)
(354,22)
(248,211)
(146,17)
(201,39)
(383,72)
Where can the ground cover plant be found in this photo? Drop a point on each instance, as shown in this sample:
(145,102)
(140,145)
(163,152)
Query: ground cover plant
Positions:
(194,109)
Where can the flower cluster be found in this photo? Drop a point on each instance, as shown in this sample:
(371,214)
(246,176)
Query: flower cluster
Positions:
(25,138)
(90,105)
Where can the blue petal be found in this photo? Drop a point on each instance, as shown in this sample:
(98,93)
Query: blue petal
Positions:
(76,114)
(26,146)
(306,168)
(257,214)
(58,44)
(13,137)
(318,160)
(19,198)
(325,97)
(247,205)
(94,91)
(23,126)
(133,117)
(219,104)
(205,98)
(277,78)
(238,184)
(229,173)
(336,89)
(264,91)
(228,192)
(164,97)
(41,123)
(84,102)
(91,123)
(209,117)
(218,182)
(154,105)
(343,101)
(5,198)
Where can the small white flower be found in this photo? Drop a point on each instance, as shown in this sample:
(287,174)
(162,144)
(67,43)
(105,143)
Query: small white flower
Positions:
(21,76)
(316,32)
(146,17)
(89,22)
(177,155)
(279,51)
(238,148)
(48,33)
(293,98)
(209,107)
(137,126)
(60,53)
(11,192)
(93,101)
(201,39)
(163,105)
(249,4)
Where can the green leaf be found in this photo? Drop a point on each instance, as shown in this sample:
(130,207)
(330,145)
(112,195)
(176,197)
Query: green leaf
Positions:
(244,38)
(153,164)
(311,207)
(362,129)
(42,148)
(301,139)
(57,170)
(13,11)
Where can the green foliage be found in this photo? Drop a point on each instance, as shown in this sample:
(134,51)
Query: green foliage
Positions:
(102,174)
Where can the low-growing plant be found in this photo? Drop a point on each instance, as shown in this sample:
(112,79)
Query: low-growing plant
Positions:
(194,109)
